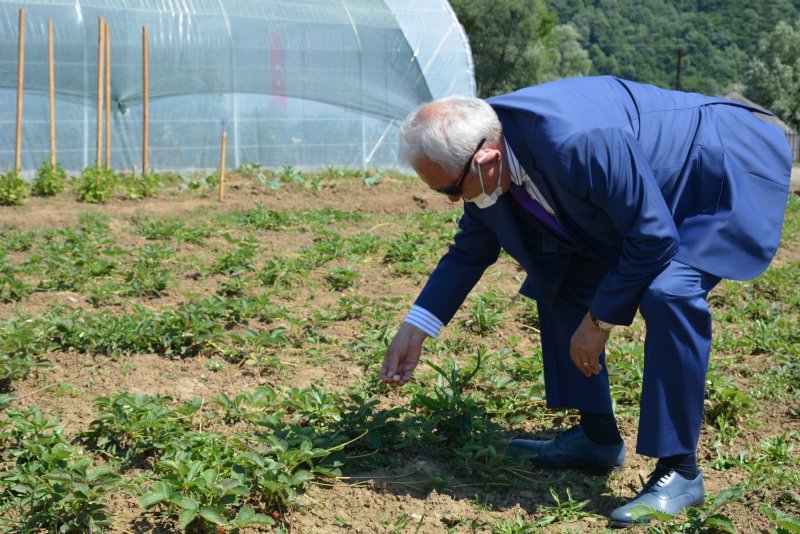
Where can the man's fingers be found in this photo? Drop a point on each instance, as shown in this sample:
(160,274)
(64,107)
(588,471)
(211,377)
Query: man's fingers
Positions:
(389,368)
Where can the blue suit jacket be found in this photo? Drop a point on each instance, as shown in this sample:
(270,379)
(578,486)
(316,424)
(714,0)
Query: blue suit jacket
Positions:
(638,176)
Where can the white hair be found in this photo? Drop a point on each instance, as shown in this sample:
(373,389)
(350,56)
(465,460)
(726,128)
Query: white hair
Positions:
(448,132)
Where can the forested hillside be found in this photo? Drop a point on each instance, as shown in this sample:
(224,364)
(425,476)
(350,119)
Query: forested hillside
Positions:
(641,39)
(713,46)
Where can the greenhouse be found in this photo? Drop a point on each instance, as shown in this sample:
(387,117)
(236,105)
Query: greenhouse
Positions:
(306,83)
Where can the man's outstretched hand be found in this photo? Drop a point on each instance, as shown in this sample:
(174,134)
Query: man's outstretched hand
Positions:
(403,355)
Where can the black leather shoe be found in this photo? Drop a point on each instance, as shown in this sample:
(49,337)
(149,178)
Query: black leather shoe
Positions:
(570,448)
(665,491)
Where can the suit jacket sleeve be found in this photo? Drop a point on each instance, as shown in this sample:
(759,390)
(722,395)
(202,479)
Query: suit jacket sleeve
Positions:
(608,169)
(474,249)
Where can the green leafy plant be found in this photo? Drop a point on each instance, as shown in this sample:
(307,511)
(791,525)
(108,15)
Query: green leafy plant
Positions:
(696,519)
(12,289)
(239,260)
(49,180)
(95,185)
(292,175)
(14,190)
(515,526)
(205,480)
(148,277)
(282,272)
(486,314)
(247,406)
(51,486)
(452,412)
(193,183)
(341,278)
(260,218)
(137,185)
(563,509)
(171,228)
(786,523)
(403,252)
(70,256)
(16,365)
(130,426)
(727,405)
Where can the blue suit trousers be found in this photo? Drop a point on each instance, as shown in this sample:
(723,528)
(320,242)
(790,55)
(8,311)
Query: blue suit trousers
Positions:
(676,352)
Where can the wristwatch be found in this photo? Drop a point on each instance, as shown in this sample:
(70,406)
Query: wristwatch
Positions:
(602,325)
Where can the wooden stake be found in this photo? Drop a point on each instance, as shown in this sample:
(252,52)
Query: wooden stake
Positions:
(20,84)
(107,37)
(145,100)
(52,92)
(222,167)
(101,49)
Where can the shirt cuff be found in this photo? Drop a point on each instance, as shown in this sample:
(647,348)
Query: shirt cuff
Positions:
(424,320)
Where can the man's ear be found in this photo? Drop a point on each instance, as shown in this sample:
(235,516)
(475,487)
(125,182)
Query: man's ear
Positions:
(487,155)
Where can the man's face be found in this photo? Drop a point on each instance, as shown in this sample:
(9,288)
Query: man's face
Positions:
(436,177)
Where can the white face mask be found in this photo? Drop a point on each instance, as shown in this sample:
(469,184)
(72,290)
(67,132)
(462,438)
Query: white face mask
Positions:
(485,200)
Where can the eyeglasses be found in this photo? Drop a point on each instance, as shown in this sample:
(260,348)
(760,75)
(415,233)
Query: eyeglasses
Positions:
(456,190)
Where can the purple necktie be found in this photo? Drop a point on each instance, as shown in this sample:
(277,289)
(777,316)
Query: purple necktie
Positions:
(538,211)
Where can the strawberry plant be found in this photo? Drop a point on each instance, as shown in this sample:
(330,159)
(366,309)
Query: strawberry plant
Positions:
(360,245)
(247,406)
(239,260)
(21,344)
(12,289)
(50,486)
(281,272)
(486,314)
(341,278)
(403,253)
(130,426)
(260,218)
(170,228)
(249,344)
(18,240)
(207,480)
(147,277)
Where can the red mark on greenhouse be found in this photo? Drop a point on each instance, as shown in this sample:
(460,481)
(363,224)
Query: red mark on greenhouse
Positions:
(277,69)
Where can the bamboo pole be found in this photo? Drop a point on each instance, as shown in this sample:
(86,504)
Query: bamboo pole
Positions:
(222,167)
(107,37)
(20,84)
(101,49)
(145,100)
(52,62)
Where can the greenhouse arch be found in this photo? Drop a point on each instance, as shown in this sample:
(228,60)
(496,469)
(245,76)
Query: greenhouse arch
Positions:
(305,83)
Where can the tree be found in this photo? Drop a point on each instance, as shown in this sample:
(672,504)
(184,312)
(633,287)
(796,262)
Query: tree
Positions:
(642,39)
(508,40)
(568,58)
(773,79)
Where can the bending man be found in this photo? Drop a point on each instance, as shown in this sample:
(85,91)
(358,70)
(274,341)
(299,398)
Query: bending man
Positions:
(614,197)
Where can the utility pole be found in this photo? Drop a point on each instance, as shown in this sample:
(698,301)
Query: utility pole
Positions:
(680,51)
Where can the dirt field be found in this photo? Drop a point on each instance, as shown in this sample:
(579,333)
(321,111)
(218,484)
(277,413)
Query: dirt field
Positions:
(412,489)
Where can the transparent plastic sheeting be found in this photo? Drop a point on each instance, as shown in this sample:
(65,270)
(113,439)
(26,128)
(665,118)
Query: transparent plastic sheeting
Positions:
(304,82)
